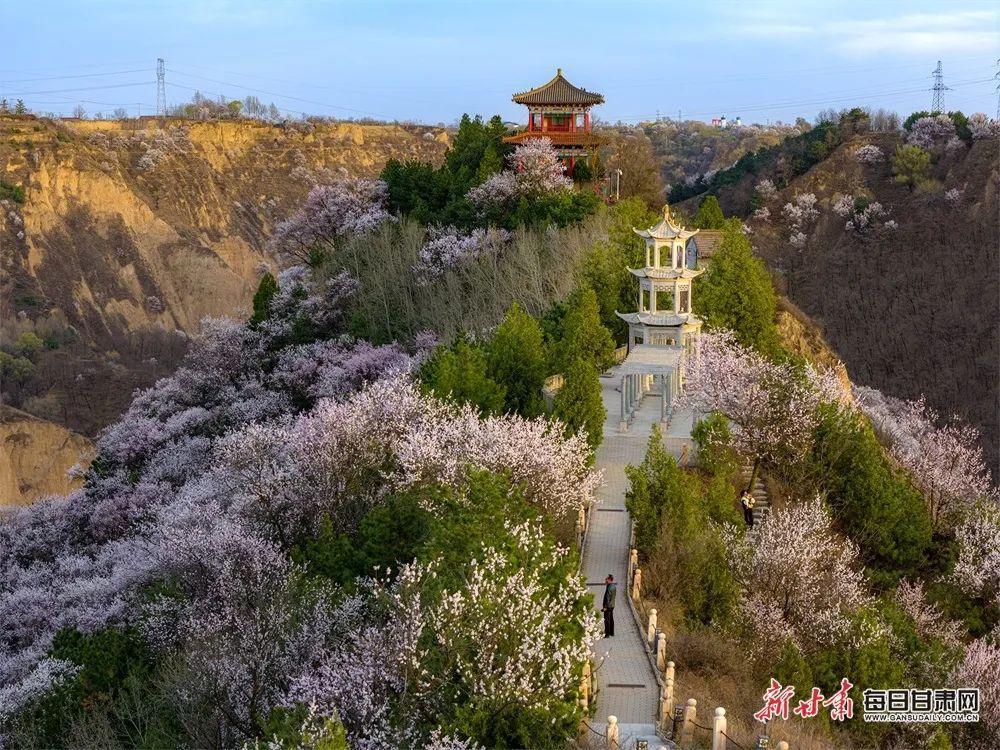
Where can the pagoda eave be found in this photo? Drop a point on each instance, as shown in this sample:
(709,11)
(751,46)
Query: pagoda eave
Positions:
(665,273)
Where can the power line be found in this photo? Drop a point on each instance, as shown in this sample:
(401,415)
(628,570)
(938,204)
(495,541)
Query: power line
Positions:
(81,75)
(277,94)
(84,88)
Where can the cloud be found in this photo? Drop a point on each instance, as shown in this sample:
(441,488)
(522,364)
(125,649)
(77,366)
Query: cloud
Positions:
(968,31)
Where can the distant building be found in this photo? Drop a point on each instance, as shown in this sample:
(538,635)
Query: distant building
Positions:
(560,111)
(702,246)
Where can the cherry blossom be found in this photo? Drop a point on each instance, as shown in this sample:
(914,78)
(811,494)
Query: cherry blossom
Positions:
(979,669)
(773,407)
(931,132)
(799,580)
(982,126)
(448,248)
(330,212)
(534,169)
(977,570)
(766,190)
(928,619)
(944,459)
(869,154)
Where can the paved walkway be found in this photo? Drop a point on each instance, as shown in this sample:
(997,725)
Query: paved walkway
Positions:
(626,682)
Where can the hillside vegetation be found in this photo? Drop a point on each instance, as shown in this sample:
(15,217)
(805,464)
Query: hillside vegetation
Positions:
(118,237)
(907,294)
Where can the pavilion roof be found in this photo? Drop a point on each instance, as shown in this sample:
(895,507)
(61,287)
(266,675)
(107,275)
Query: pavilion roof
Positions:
(666,229)
(558,91)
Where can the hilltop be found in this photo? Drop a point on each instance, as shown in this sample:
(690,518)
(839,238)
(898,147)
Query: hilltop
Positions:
(912,309)
(118,237)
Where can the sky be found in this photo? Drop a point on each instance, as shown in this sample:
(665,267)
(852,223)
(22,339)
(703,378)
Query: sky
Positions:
(430,62)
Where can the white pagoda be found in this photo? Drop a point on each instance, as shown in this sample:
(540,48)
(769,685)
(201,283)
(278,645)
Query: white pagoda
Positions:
(665,284)
(664,330)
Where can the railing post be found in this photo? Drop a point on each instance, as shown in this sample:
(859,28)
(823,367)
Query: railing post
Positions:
(690,716)
(669,671)
(611,737)
(719,729)
(667,701)
(661,651)
(585,686)
(637,585)
(633,561)
(782,745)
(651,629)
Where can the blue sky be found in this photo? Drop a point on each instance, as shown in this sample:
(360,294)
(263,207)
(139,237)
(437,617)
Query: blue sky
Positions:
(431,61)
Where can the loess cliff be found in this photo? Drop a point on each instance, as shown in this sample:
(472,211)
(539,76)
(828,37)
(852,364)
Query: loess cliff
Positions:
(118,237)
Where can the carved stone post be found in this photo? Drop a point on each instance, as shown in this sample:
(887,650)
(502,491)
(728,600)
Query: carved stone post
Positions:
(651,629)
(669,671)
(585,686)
(718,729)
(633,561)
(661,651)
(690,716)
(611,737)
(667,702)
(637,584)
(781,745)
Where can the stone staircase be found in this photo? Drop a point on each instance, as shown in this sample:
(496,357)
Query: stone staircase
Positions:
(762,504)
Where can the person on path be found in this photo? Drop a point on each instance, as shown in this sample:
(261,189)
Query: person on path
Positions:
(747,500)
(610,589)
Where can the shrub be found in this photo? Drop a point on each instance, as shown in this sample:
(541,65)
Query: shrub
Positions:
(709,214)
(910,165)
(266,290)
(11,192)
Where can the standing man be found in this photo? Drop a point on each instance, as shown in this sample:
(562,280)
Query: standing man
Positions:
(610,589)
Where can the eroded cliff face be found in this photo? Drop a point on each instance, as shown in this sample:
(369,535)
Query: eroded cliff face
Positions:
(36,457)
(130,232)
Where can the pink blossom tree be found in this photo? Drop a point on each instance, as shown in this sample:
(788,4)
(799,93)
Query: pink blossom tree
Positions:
(977,570)
(932,132)
(944,459)
(449,247)
(773,407)
(534,169)
(330,212)
(799,581)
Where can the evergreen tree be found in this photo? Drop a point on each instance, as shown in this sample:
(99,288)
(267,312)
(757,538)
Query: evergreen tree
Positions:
(583,334)
(516,359)
(579,403)
(19,108)
(709,214)
(910,165)
(459,373)
(266,290)
(736,293)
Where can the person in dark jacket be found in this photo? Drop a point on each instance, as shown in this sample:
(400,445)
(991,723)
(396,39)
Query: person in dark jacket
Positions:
(747,500)
(610,589)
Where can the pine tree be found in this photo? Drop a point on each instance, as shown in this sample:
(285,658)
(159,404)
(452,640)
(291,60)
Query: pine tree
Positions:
(517,360)
(266,290)
(19,108)
(459,373)
(579,403)
(736,293)
(709,214)
(583,334)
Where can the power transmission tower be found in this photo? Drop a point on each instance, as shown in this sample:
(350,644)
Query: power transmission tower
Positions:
(997,75)
(161,88)
(937,105)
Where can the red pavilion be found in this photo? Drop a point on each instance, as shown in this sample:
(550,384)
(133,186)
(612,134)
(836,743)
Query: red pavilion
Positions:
(560,111)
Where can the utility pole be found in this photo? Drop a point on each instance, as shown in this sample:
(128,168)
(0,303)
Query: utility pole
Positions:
(937,105)
(161,88)
(678,116)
